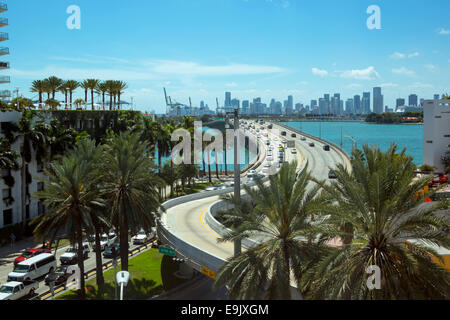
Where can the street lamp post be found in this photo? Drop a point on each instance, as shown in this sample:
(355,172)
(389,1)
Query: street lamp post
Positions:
(122,279)
(237,174)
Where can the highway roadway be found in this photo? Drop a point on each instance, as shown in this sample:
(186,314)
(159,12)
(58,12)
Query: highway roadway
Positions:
(187,222)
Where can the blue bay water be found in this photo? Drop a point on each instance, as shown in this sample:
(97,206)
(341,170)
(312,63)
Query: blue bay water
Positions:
(381,135)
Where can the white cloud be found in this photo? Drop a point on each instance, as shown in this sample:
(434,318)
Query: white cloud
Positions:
(354,85)
(389,84)
(403,71)
(192,68)
(363,74)
(319,72)
(231,84)
(419,85)
(397,55)
(443,31)
(430,67)
(414,54)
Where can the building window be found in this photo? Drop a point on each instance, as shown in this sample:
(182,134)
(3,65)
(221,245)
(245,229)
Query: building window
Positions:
(27,212)
(438,117)
(429,141)
(41,208)
(6,193)
(40,186)
(7,217)
(446,135)
(40,167)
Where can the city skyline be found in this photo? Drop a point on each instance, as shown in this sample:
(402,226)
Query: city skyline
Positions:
(252,58)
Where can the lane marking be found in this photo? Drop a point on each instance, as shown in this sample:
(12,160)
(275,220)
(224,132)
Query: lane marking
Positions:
(207,229)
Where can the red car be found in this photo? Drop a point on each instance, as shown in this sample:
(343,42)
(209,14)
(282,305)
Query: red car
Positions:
(30,253)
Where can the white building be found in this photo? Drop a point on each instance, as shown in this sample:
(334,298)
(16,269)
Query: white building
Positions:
(436,132)
(11,204)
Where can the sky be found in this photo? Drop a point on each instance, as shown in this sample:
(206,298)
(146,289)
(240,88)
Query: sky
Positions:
(253,48)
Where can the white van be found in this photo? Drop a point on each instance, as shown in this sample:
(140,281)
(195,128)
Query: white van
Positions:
(33,268)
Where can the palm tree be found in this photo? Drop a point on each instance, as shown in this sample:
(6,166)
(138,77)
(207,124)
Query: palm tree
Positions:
(111,91)
(280,217)
(70,198)
(120,87)
(377,203)
(47,87)
(33,135)
(86,86)
(64,91)
(60,139)
(39,87)
(8,157)
(54,84)
(52,103)
(129,186)
(92,84)
(102,88)
(71,86)
(78,103)
(169,175)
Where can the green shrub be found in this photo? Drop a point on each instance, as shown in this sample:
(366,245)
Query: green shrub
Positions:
(426,168)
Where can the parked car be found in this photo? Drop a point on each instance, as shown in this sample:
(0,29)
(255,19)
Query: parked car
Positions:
(59,276)
(213,187)
(14,290)
(294,151)
(326,147)
(331,175)
(270,126)
(33,268)
(140,238)
(293,135)
(108,253)
(311,144)
(71,254)
(283,133)
(30,253)
(303,138)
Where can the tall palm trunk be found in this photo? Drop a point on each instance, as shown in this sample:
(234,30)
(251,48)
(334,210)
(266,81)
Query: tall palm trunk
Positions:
(217,166)
(209,167)
(119,98)
(110,101)
(23,176)
(123,239)
(85,97)
(80,256)
(70,99)
(92,98)
(40,99)
(98,254)
(103,100)
(226,169)
(115,101)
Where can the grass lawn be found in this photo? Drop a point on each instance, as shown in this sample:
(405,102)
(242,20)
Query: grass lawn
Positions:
(150,274)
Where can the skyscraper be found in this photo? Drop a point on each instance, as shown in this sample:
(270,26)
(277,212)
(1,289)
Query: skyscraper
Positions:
(399,103)
(349,106)
(357,104)
(377,100)
(245,107)
(227,99)
(313,104)
(412,100)
(365,103)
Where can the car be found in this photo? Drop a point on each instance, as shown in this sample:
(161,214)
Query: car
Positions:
(293,151)
(212,188)
(140,238)
(30,253)
(251,172)
(283,133)
(277,164)
(326,147)
(33,268)
(269,158)
(270,148)
(303,138)
(311,144)
(109,252)
(15,290)
(268,142)
(269,153)
(269,126)
(293,135)
(59,276)
(71,254)
(331,175)
(284,141)
(275,139)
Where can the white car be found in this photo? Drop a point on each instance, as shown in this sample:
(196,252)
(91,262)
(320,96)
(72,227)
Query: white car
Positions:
(14,290)
(269,158)
(140,238)
(107,240)
(70,256)
(293,151)
(275,139)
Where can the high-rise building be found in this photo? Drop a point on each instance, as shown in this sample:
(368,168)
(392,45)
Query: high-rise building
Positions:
(235,103)
(436,132)
(436,97)
(327,108)
(377,100)
(245,107)
(357,104)
(399,103)
(412,100)
(322,106)
(365,103)
(4,51)
(313,104)
(349,106)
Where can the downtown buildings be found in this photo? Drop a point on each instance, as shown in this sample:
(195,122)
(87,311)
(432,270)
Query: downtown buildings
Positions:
(4,94)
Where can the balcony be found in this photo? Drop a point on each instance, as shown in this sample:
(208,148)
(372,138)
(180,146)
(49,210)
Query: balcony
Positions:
(4,65)
(5,94)
(4,51)
(5,79)
(3,7)
(3,22)
(4,36)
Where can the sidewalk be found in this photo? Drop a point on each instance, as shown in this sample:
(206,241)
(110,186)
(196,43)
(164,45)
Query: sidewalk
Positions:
(8,253)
